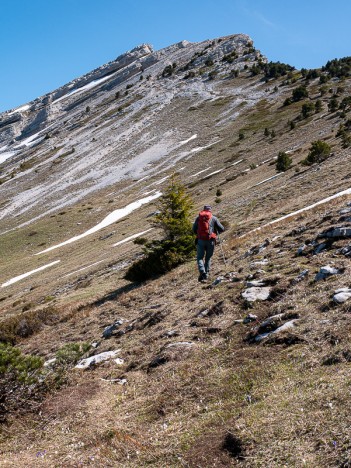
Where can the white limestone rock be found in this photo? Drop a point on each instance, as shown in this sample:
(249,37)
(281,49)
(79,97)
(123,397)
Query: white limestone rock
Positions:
(342,295)
(326,271)
(98,358)
(287,326)
(256,294)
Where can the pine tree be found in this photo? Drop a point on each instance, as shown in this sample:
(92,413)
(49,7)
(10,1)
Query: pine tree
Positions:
(319,151)
(175,208)
(178,243)
(284,162)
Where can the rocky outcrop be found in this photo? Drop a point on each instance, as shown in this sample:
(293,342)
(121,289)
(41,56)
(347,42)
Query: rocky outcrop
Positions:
(337,232)
(327,271)
(342,295)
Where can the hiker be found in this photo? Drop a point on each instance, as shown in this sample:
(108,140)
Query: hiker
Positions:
(206,227)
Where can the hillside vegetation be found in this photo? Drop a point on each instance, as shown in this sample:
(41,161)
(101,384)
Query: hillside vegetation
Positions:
(251,369)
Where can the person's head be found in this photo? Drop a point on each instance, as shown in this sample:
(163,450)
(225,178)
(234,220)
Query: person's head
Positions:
(207,208)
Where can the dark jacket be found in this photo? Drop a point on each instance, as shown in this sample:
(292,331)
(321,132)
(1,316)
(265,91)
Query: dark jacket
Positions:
(215,227)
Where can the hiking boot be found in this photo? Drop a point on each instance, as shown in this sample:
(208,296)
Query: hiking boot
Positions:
(202,277)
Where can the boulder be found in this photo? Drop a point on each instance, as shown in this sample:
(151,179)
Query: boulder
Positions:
(180,344)
(257,249)
(318,249)
(50,362)
(299,277)
(301,249)
(337,232)
(256,294)
(94,360)
(345,211)
(326,271)
(250,318)
(346,251)
(107,333)
(287,326)
(342,295)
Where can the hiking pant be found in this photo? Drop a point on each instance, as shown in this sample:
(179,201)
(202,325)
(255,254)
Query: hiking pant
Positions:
(205,248)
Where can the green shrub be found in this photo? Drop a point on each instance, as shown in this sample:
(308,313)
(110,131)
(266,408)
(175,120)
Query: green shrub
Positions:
(191,74)
(177,246)
(323,90)
(18,367)
(284,162)
(140,241)
(345,104)
(340,68)
(318,106)
(276,69)
(333,104)
(167,71)
(307,109)
(343,132)
(219,192)
(319,151)
(71,353)
(312,74)
(230,57)
(299,93)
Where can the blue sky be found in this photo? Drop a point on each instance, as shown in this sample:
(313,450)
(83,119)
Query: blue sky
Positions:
(46,43)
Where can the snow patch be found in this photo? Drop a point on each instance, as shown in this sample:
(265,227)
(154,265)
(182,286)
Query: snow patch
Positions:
(20,109)
(200,172)
(7,155)
(20,277)
(159,182)
(111,218)
(88,86)
(266,180)
(82,269)
(181,143)
(215,172)
(309,207)
(237,162)
(134,236)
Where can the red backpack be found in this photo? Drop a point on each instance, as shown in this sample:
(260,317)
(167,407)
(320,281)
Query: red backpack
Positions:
(203,226)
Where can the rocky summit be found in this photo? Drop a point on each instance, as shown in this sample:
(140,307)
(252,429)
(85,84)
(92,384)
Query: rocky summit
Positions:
(249,369)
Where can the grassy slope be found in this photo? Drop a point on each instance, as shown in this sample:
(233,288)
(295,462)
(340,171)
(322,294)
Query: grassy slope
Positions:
(223,401)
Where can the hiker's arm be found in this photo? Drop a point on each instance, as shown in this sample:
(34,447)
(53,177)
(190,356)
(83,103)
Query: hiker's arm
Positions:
(218,227)
(195,225)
